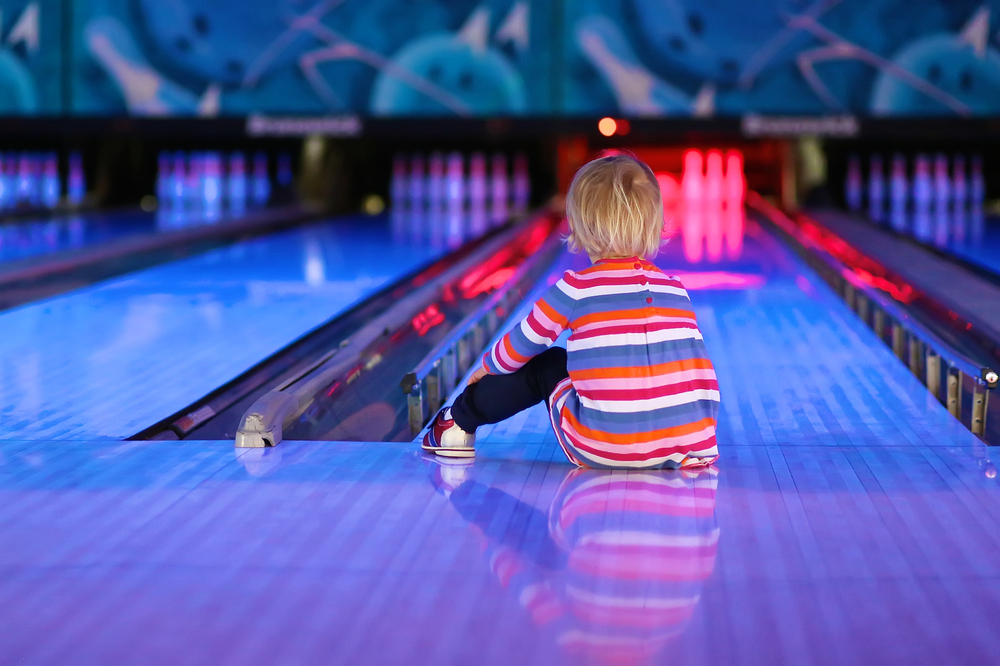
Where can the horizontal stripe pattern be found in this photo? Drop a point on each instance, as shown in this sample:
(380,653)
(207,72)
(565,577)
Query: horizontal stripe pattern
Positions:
(642,392)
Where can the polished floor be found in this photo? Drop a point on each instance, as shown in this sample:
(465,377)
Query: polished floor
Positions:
(849,520)
(33,237)
(108,360)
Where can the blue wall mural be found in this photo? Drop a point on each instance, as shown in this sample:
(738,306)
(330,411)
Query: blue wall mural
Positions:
(500,57)
(729,57)
(31,76)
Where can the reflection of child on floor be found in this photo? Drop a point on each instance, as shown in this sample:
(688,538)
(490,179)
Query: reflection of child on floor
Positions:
(613,569)
(634,387)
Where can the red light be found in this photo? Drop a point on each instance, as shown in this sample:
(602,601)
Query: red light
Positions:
(427,319)
(670,190)
(734,228)
(713,175)
(694,231)
(735,180)
(607,126)
(693,179)
(624,127)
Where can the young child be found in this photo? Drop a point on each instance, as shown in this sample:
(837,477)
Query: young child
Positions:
(634,387)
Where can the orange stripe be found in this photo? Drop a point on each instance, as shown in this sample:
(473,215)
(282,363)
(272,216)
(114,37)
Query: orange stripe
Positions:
(637,313)
(551,313)
(644,371)
(514,356)
(638,438)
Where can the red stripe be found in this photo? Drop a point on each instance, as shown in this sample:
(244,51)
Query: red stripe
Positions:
(631,457)
(641,328)
(539,328)
(655,392)
(608,281)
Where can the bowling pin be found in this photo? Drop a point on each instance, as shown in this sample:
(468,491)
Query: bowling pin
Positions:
(852,185)
(942,183)
(714,187)
(899,192)
(923,190)
(76,185)
(959,185)
(477,194)
(977,184)
(521,184)
(211,185)
(10,162)
(284,175)
(693,179)
(414,224)
(733,217)
(236,183)
(498,189)
(977,194)
(692,205)
(434,186)
(24,185)
(923,194)
(417,183)
(942,200)
(194,187)
(179,194)
(735,181)
(876,189)
(455,192)
(436,196)
(398,188)
(51,188)
(261,180)
(6,186)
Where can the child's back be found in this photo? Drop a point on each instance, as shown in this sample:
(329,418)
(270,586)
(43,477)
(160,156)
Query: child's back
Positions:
(635,388)
(641,391)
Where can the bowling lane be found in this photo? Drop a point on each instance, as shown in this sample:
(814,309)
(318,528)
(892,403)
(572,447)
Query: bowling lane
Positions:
(107,360)
(796,367)
(35,237)
(980,245)
(23,239)
(844,502)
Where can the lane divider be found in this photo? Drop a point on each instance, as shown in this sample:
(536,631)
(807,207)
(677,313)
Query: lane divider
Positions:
(937,345)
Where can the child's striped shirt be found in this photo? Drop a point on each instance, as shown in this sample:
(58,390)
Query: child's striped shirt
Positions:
(641,392)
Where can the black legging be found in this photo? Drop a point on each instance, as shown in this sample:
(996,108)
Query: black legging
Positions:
(497,397)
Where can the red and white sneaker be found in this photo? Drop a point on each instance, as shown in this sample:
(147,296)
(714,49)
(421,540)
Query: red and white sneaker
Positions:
(446,439)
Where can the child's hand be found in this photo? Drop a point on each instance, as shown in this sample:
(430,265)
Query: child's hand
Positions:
(477,375)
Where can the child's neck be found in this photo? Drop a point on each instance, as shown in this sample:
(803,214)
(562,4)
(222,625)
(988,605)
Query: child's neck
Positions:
(595,259)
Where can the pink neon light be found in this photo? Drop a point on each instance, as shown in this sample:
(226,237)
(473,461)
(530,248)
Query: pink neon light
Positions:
(713,230)
(713,176)
(736,187)
(711,205)
(720,280)
(693,179)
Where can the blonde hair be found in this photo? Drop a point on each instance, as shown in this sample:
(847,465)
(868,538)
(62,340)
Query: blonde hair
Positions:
(615,209)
